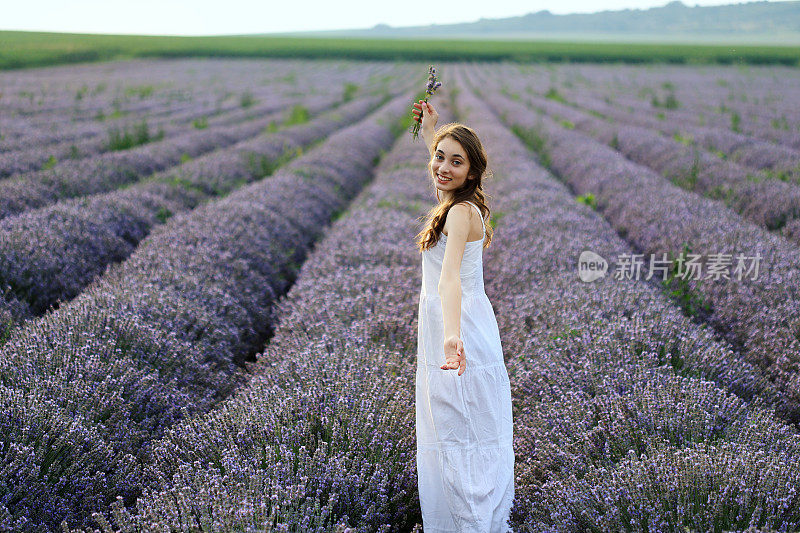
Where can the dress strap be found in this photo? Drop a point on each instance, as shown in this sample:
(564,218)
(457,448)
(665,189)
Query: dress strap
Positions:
(479,214)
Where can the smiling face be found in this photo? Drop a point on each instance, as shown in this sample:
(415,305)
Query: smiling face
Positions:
(449,161)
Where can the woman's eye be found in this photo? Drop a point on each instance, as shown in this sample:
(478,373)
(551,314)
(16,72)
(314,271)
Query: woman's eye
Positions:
(440,156)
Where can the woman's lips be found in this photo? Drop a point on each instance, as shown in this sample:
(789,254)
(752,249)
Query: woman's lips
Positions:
(439,178)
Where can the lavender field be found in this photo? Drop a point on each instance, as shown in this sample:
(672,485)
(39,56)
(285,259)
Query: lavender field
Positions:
(209,291)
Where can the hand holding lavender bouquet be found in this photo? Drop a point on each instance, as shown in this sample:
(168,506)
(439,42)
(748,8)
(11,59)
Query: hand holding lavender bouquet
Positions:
(422,106)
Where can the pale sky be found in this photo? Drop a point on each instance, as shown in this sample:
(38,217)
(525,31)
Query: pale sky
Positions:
(206,17)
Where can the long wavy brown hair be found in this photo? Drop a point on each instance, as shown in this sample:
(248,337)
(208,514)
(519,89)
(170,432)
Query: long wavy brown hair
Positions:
(471,191)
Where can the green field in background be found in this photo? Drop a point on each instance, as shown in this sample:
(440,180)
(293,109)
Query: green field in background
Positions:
(30,49)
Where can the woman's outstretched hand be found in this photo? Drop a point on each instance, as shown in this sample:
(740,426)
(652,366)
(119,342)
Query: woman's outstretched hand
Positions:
(428,114)
(454,355)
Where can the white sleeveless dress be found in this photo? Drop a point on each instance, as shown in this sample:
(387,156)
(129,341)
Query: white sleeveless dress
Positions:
(464,429)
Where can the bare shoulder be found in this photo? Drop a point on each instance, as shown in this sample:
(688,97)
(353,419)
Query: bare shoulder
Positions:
(460,212)
(462,208)
(459,216)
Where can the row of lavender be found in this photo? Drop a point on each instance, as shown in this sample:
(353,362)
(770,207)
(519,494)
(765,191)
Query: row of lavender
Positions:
(770,203)
(758,101)
(51,254)
(617,420)
(758,179)
(323,435)
(82,100)
(40,102)
(761,100)
(112,170)
(320,436)
(109,171)
(88,388)
(744,149)
(78,140)
(731,143)
(754,310)
(88,139)
(74,102)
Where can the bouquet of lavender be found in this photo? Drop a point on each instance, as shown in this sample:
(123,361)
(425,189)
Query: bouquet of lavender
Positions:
(430,88)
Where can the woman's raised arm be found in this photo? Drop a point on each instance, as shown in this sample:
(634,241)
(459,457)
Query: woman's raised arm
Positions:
(429,119)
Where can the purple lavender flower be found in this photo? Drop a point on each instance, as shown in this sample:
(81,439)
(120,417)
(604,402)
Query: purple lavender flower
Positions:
(430,88)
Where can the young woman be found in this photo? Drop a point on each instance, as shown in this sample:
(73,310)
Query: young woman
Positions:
(465,455)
